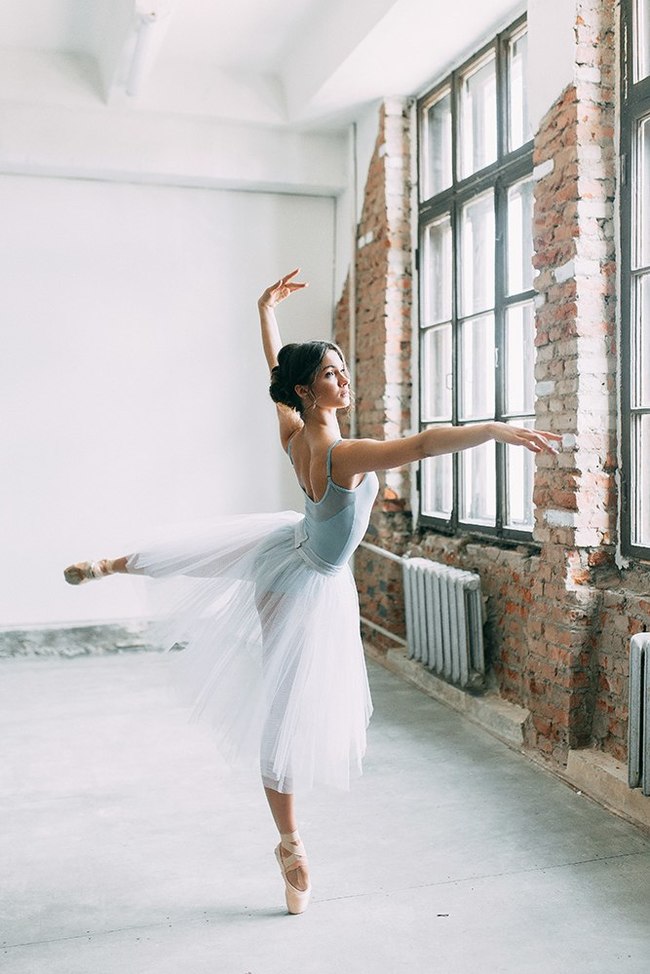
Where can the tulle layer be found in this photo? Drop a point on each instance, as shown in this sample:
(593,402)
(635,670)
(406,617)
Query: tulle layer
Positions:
(273,656)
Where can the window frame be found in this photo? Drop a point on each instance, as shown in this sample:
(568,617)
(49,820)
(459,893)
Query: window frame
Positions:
(509,168)
(635,106)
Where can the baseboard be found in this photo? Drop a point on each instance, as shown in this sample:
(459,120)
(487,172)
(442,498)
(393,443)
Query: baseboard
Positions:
(502,719)
(107,639)
(604,779)
(595,773)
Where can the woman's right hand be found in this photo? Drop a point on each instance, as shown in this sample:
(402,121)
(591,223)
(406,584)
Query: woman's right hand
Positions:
(280,290)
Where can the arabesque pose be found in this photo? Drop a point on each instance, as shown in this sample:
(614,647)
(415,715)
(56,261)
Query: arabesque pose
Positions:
(269,613)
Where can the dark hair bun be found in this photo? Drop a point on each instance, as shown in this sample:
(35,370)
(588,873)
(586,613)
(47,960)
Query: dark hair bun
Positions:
(297,366)
(279,389)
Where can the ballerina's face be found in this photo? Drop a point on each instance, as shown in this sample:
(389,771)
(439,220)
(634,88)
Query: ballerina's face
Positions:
(330,388)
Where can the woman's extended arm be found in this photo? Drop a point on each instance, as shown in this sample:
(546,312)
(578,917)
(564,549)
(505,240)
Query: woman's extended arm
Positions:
(271,341)
(360,456)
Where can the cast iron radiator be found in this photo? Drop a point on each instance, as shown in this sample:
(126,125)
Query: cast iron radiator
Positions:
(639,713)
(444,620)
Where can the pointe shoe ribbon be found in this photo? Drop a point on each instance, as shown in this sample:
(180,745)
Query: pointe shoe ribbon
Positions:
(297,899)
(86,571)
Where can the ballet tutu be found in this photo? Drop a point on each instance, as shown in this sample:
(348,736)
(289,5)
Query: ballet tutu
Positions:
(271,647)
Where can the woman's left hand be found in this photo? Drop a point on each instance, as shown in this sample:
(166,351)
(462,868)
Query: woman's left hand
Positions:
(280,290)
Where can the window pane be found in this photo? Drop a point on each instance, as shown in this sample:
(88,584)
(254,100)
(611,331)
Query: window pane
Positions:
(478,484)
(520,471)
(477,247)
(437,146)
(641,480)
(478,117)
(437,272)
(437,483)
(642,35)
(520,237)
(519,124)
(476,368)
(436,374)
(520,359)
(641,344)
(642,217)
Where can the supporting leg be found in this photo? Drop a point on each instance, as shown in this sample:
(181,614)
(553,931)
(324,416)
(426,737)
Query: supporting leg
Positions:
(283,812)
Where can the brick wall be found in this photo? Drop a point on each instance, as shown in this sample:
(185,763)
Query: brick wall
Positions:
(383,348)
(559,611)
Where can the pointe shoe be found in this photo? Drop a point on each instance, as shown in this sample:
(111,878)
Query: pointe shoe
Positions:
(86,571)
(297,899)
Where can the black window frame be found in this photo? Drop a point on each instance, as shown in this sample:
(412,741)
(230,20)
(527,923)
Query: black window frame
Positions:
(634,106)
(509,168)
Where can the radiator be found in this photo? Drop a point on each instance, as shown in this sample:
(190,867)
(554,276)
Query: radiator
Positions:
(444,620)
(639,713)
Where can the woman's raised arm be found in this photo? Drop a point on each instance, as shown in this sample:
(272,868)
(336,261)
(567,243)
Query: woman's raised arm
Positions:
(271,340)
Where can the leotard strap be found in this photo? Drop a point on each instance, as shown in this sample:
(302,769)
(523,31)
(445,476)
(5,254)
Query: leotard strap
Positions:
(329,457)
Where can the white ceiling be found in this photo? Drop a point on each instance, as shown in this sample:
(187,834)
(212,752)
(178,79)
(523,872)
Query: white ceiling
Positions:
(275,62)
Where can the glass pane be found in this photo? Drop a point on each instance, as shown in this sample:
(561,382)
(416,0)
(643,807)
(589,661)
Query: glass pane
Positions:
(437,484)
(478,117)
(436,374)
(519,125)
(520,237)
(641,344)
(477,243)
(437,272)
(477,368)
(437,146)
(520,472)
(642,35)
(520,359)
(641,480)
(642,234)
(478,484)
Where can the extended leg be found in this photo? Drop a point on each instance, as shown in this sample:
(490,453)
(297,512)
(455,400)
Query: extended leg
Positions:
(85,571)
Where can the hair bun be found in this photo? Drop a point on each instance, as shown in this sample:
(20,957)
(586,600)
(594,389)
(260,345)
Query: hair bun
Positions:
(280,391)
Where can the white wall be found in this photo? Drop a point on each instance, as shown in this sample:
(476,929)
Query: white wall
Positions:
(362,135)
(132,387)
(551,53)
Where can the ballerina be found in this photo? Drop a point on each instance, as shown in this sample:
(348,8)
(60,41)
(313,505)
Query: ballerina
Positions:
(270,621)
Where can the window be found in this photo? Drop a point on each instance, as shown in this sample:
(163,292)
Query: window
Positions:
(476,286)
(635,278)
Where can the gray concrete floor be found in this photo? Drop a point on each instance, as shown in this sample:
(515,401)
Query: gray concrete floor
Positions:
(125,846)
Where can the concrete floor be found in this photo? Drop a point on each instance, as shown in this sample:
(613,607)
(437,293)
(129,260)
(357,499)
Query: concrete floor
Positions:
(125,847)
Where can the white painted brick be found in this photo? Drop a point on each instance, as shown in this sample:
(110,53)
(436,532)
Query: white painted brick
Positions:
(560,519)
(565,272)
(584,267)
(591,152)
(595,210)
(546,388)
(365,240)
(587,73)
(544,169)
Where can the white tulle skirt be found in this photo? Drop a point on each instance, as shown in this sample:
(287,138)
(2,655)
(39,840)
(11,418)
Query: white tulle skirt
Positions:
(272,653)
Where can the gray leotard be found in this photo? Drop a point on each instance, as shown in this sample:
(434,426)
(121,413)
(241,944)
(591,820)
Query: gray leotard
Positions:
(333,526)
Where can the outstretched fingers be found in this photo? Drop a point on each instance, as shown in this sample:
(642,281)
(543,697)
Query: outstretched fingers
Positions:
(291,285)
(281,289)
(540,441)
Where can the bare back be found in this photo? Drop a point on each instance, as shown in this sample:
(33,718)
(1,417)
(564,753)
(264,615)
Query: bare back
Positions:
(309,458)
